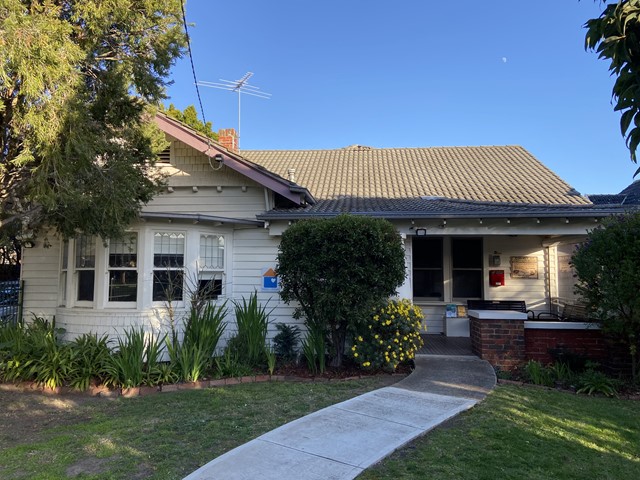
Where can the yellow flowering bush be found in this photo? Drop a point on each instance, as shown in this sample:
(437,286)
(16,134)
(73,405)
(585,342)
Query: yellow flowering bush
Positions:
(391,336)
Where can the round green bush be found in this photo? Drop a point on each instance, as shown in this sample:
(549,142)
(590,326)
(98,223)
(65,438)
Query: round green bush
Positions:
(392,336)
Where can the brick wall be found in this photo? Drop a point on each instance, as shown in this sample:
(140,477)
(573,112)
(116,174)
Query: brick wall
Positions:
(587,343)
(500,342)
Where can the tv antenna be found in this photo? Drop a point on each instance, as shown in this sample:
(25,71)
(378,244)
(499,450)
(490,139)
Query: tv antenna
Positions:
(241,86)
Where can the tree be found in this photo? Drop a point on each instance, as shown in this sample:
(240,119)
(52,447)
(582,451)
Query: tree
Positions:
(607,267)
(76,82)
(615,36)
(189,116)
(338,270)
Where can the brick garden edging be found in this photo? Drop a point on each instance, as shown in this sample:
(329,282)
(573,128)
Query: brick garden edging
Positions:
(105,392)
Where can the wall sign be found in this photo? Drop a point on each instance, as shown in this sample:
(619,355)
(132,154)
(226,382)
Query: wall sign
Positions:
(269,280)
(524,267)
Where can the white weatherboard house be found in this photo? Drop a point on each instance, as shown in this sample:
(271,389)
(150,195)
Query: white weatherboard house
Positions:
(476,222)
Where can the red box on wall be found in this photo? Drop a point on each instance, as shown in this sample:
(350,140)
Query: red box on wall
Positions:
(496,278)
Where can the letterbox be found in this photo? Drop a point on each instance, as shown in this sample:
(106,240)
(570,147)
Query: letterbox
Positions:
(496,278)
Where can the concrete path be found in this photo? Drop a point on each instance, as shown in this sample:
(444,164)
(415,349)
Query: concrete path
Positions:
(340,441)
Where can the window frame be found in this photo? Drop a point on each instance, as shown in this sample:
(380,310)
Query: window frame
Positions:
(448,270)
(183,269)
(77,269)
(217,272)
(109,269)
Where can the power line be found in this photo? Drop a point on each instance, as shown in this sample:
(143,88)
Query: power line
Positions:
(193,68)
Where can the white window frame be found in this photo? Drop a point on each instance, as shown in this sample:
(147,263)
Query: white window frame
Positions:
(135,267)
(63,285)
(210,268)
(183,268)
(82,268)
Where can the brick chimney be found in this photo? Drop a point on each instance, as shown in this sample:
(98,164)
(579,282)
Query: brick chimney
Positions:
(228,138)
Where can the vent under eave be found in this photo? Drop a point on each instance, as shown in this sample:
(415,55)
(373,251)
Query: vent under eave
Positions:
(165,156)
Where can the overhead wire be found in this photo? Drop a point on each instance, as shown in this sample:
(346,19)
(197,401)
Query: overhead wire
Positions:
(193,68)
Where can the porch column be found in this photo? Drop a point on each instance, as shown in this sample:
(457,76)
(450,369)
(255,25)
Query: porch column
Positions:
(498,337)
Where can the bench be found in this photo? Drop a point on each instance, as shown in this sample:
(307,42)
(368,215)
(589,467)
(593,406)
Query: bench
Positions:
(571,312)
(516,305)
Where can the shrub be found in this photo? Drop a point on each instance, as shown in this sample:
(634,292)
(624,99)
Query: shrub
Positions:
(536,373)
(252,320)
(91,355)
(592,381)
(337,270)
(202,331)
(391,336)
(285,343)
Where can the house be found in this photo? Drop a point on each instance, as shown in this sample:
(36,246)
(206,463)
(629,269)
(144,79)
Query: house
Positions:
(476,222)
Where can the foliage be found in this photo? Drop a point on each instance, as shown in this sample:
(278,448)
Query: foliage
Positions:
(537,373)
(75,82)
(202,332)
(189,116)
(314,348)
(592,381)
(252,320)
(91,355)
(337,270)
(615,36)
(607,267)
(230,365)
(270,354)
(391,337)
(135,361)
(285,342)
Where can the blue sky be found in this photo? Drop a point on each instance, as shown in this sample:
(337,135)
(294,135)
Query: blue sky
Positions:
(412,73)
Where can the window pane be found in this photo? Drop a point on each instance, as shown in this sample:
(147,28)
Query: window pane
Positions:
(428,284)
(466,252)
(211,252)
(86,280)
(123,285)
(167,285)
(168,250)
(124,252)
(467,283)
(427,252)
(85,252)
(210,288)
(65,255)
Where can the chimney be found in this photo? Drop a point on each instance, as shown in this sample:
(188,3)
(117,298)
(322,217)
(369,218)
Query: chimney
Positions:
(228,138)
(292,175)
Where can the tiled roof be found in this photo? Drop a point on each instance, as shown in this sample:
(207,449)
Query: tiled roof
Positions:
(437,208)
(488,174)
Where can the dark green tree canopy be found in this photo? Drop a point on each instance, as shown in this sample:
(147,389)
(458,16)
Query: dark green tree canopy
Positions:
(338,269)
(615,35)
(75,84)
(607,267)
(189,116)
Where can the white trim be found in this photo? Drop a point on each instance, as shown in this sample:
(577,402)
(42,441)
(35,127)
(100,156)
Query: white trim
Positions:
(536,325)
(497,315)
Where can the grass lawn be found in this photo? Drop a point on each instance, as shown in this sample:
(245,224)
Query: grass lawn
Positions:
(156,437)
(526,433)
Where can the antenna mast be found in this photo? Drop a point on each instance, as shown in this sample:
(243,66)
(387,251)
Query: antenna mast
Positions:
(241,86)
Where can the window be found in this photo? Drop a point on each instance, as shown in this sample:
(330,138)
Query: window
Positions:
(123,273)
(64,267)
(463,273)
(211,266)
(85,267)
(168,265)
(428,278)
(466,267)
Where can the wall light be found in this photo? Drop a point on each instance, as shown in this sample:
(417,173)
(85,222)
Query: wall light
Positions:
(28,243)
(421,232)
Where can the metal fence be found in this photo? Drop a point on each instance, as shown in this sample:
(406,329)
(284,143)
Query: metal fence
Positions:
(11,301)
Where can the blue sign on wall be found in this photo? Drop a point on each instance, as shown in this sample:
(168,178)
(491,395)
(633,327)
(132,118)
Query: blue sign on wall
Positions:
(269,279)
